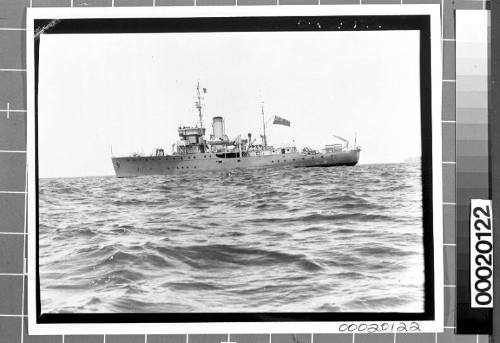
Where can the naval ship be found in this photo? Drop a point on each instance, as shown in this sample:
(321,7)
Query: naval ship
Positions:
(194,152)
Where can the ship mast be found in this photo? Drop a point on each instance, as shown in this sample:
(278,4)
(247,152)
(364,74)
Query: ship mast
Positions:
(263,125)
(198,103)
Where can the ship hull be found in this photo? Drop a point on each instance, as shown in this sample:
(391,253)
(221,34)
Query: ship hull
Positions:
(174,164)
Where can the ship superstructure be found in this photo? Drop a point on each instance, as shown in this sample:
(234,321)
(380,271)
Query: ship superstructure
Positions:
(193,152)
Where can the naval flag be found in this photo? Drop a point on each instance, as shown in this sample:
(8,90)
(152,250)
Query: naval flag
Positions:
(281,121)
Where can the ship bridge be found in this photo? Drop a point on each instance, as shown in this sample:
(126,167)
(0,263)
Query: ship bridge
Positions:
(192,140)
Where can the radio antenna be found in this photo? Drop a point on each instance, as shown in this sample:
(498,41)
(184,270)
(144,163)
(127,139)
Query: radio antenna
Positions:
(198,103)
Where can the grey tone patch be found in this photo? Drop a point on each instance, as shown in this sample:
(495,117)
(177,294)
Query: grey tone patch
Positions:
(298,2)
(119,3)
(256,2)
(12,212)
(449,138)
(12,285)
(12,130)
(250,338)
(12,89)
(15,56)
(449,265)
(10,329)
(449,60)
(166,339)
(92,3)
(377,338)
(216,338)
(450,308)
(449,102)
(449,191)
(175,2)
(84,339)
(13,15)
(333,338)
(11,253)
(125,339)
(215,2)
(291,338)
(449,224)
(51,3)
(12,172)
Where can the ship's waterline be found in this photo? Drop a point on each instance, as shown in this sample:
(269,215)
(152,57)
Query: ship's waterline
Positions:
(151,165)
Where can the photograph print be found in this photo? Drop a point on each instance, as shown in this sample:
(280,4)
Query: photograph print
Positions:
(253,165)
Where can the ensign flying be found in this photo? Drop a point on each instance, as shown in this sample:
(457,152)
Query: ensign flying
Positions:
(281,121)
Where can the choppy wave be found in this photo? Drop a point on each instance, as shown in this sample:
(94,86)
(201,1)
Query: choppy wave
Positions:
(312,239)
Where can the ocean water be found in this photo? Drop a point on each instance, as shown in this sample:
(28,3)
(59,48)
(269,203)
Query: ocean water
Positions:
(336,239)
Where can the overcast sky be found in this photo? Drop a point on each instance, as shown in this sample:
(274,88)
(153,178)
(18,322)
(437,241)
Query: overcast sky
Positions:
(132,91)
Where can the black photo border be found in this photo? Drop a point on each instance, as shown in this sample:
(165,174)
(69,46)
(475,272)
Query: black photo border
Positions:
(421,23)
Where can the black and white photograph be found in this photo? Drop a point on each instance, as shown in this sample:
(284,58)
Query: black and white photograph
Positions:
(218,171)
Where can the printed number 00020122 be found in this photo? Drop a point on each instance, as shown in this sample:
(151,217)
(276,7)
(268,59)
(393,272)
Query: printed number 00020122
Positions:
(481,250)
(380,327)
